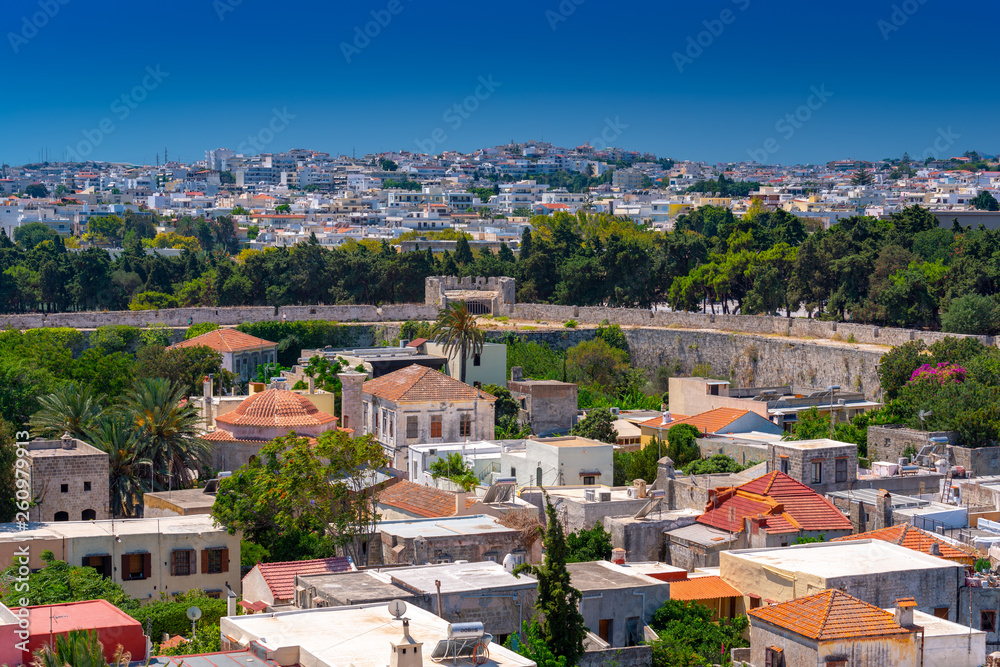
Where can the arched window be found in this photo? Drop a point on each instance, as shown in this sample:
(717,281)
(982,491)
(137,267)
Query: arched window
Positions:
(61,516)
(88,515)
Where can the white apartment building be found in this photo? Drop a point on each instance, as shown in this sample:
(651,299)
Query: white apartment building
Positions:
(522,194)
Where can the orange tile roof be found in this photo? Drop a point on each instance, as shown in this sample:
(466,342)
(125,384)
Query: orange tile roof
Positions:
(222,435)
(911,537)
(702,588)
(784,505)
(707,422)
(276,407)
(419,383)
(418,499)
(830,615)
(280,577)
(225,340)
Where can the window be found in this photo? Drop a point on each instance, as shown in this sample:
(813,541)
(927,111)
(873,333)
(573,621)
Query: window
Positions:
(214,561)
(841,471)
(86,486)
(100,563)
(180,562)
(343,421)
(784,465)
(61,516)
(477,360)
(136,566)
(606,629)
(588,480)
(391,416)
(491,556)
(435,426)
(513,472)
(465,425)
(988,621)
(941,612)
(64,488)
(88,515)
(817,469)
(774,657)
(411,427)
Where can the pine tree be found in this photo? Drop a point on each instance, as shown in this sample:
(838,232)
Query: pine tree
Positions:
(558,602)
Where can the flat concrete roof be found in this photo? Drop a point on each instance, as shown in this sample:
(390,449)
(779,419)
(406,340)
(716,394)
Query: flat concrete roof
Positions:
(354,587)
(576,493)
(227,659)
(602,575)
(361,635)
(699,533)
(843,559)
(44,449)
(186,498)
(808,445)
(444,527)
(458,577)
(173,525)
(569,441)
(939,627)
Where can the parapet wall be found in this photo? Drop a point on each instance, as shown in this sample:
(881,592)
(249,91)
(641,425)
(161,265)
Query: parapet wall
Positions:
(795,327)
(181,317)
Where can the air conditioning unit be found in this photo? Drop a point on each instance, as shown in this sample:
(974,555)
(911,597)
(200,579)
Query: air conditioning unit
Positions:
(605,496)
(632,492)
(616,411)
(589,494)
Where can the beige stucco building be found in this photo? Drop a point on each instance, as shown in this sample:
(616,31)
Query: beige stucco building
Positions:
(146,556)
(69,481)
(418,405)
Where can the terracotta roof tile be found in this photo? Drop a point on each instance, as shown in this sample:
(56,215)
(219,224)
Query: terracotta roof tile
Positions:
(276,407)
(418,499)
(830,615)
(225,340)
(420,383)
(702,588)
(280,577)
(711,421)
(911,537)
(787,506)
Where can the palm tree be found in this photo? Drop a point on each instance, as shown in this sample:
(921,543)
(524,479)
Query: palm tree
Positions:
(168,429)
(77,648)
(116,435)
(69,409)
(457,331)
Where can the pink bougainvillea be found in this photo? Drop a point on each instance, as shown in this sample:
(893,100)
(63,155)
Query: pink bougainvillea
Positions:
(942,373)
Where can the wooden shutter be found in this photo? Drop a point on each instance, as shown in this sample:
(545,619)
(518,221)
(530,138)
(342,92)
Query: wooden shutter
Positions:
(204,561)
(125,573)
(225,560)
(147,565)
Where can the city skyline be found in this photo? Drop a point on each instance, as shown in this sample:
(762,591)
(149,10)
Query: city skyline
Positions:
(729,82)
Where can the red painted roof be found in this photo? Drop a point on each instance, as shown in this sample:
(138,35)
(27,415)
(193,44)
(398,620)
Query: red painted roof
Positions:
(280,577)
(831,615)
(276,407)
(225,340)
(785,505)
(84,615)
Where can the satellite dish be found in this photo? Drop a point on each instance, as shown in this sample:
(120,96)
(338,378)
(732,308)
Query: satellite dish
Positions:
(193,613)
(397,608)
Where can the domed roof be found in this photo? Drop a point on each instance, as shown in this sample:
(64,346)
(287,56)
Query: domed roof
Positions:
(276,407)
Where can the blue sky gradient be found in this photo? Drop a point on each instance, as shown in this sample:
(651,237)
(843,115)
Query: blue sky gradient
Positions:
(712,80)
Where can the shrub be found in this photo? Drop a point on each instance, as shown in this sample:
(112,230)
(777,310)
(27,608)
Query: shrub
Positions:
(570,324)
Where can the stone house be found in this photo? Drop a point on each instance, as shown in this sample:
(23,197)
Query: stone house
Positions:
(146,557)
(823,465)
(548,406)
(241,353)
(447,540)
(833,629)
(69,481)
(418,405)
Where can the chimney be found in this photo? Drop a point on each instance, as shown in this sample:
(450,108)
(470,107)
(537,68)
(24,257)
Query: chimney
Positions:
(460,497)
(883,510)
(312,385)
(516,374)
(350,402)
(618,556)
(904,611)
(67,441)
(666,418)
(407,651)
(935,549)
(640,488)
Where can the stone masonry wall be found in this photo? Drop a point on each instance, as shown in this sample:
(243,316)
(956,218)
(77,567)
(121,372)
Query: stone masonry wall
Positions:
(53,467)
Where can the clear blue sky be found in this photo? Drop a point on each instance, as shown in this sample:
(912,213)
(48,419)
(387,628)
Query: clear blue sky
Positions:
(893,86)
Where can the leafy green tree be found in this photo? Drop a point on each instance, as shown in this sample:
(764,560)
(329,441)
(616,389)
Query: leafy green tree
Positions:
(558,603)
(720,463)
(506,414)
(587,545)
(169,432)
(58,582)
(597,425)
(185,367)
(71,408)
(613,335)
(168,614)
(638,464)
(199,329)
(534,647)
(682,445)
(985,201)
(319,493)
(463,253)
(595,362)
(8,473)
(36,191)
(811,425)
(33,234)
(457,331)
(688,636)
(454,467)
(972,313)
(862,177)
